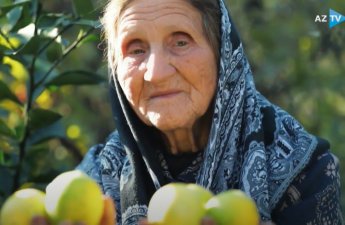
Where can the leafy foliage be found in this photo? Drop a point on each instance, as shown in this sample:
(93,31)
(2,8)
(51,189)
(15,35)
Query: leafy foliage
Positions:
(34,43)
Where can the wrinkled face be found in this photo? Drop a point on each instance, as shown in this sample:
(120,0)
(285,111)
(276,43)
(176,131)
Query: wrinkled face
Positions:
(166,66)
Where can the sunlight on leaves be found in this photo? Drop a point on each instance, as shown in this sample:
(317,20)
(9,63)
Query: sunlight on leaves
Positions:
(18,70)
(45,100)
(73,131)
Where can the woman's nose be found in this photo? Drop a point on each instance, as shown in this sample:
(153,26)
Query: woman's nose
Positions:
(158,67)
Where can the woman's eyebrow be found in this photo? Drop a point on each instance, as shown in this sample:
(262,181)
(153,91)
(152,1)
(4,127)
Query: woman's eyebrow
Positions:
(185,27)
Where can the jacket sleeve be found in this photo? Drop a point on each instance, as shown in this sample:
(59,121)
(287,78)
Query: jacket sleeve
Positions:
(313,198)
(91,163)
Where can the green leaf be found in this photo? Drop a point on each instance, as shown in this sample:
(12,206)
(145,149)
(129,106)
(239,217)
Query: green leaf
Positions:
(86,22)
(13,43)
(49,45)
(33,45)
(90,38)
(53,20)
(18,15)
(12,18)
(55,130)
(6,93)
(27,17)
(5,130)
(39,118)
(10,3)
(76,77)
(84,8)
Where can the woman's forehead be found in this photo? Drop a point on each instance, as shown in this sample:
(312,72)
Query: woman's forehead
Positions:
(177,12)
(155,9)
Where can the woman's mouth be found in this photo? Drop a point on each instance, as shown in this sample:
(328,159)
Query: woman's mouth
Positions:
(165,94)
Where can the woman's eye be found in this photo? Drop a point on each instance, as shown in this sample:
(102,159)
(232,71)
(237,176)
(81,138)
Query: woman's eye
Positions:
(137,52)
(181,43)
(135,48)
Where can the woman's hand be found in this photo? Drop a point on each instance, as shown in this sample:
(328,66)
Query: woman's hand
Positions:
(108,217)
(109,212)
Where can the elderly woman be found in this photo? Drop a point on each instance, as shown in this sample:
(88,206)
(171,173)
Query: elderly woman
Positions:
(186,110)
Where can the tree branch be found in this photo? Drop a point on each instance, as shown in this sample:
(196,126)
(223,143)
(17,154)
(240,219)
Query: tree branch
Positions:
(22,144)
(64,55)
(7,39)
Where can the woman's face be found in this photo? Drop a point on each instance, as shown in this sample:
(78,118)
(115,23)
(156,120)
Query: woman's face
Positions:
(165,66)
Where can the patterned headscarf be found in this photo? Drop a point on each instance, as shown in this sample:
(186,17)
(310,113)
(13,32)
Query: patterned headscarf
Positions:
(253,145)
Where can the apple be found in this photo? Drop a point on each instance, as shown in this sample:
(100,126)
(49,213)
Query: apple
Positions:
(22,206)
(232,207)
(178,203)
(75,197)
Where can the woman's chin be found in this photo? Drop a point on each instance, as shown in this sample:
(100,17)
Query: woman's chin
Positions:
(164,126)
(169,124)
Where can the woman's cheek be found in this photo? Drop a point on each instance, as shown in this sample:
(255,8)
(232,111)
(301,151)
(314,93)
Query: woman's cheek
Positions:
(134,88)
(131,83)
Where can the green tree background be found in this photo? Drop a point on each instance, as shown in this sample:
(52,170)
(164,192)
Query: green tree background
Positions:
(53,79)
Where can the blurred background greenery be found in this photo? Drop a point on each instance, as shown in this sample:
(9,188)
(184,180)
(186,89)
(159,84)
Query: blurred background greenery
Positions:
(53,79)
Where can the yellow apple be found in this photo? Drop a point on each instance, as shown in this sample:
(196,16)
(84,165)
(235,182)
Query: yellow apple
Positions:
(178,203)
(75,197)
(22,206)
(232,207)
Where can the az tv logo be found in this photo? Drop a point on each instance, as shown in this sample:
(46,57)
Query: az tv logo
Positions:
(334,18)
